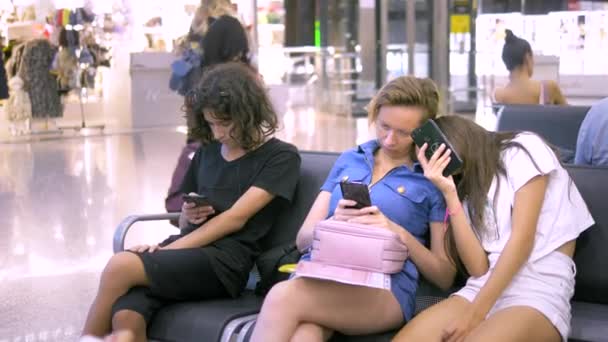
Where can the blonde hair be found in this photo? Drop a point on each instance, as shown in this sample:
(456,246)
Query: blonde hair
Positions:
(210,8)
(407,91)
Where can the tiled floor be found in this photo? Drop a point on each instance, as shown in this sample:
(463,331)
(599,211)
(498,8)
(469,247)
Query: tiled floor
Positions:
(61,198)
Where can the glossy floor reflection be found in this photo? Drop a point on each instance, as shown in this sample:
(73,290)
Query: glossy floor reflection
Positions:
(60,200)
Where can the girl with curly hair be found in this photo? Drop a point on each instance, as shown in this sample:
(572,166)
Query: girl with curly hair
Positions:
(247,177)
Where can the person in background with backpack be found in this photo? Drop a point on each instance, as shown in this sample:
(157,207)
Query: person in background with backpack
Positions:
(187,69)
(225,41)
(404,202)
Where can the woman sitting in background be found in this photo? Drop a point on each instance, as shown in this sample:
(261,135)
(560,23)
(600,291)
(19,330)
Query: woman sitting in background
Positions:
(522,89)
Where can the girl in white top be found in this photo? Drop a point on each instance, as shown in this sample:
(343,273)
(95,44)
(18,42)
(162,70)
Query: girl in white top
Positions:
(514,234)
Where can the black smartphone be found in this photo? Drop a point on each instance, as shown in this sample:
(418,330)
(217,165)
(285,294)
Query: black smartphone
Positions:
(199,200)
(357,192)
(430,133)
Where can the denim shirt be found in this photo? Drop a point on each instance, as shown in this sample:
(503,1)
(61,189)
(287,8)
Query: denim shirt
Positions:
(403,195)
(592,142)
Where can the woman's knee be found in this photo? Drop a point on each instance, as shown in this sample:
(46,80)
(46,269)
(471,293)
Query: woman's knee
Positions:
(284,296)
(121,270)
(129,320)
(311,332)
(280,294)
(429,324)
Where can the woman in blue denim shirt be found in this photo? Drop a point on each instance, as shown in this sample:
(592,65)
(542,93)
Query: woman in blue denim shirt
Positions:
(405,202)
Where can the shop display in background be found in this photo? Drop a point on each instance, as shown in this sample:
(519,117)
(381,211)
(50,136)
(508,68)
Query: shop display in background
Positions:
(577,37)
(271,23)
(271,12)
(65,63)
(25,13)
(84,39)
(84,47)
(18,108)
(81,32)
(157,24)
(28,69)
(271,59)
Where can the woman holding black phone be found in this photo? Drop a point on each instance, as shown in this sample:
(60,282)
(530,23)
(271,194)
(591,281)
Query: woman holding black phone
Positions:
(515,215)
(247,176)
(402,200)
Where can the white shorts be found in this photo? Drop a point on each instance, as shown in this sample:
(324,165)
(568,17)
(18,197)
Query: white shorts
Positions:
(546,285)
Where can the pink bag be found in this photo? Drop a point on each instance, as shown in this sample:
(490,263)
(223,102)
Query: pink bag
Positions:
(358,247)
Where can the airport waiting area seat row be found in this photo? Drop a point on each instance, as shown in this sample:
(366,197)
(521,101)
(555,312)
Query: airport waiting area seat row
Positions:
(233,319)
(221,320)
(559,125)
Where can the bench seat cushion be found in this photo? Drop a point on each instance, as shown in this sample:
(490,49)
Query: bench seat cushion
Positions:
(589,322)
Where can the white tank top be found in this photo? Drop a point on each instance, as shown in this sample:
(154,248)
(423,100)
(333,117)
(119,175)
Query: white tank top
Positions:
(541,98)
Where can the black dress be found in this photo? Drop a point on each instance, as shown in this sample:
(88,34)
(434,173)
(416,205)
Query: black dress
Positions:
(40,84)
(220,269)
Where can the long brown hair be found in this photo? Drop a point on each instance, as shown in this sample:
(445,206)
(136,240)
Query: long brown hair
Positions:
(480,151)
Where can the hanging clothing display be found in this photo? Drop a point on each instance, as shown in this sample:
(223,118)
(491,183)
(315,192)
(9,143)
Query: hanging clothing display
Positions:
(79,16)
(66,62)
(72,71)
(12,66)
(69,38)
(18,107)
(66,67)
(40,84)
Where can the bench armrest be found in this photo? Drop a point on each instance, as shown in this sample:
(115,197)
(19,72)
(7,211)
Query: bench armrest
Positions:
(123,227)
